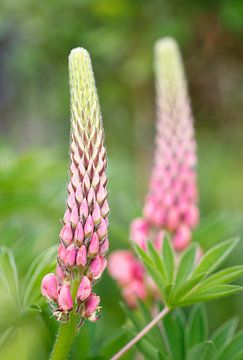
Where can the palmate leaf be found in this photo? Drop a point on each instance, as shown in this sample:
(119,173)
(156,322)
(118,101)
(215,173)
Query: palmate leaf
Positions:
(191,283)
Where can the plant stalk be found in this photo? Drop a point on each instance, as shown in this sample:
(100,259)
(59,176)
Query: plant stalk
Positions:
(141,334)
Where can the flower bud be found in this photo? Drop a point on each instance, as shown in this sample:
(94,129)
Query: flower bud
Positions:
(81,259)
(66,234)
(60,273)
(102,229)
(84,289)
(182,238)
(70,255)
(88,227)
(65,301)
(79,234)
(94,245)
(49,286)
(97,266)
(91,306)
(104,246)
(96,215)
(61,252)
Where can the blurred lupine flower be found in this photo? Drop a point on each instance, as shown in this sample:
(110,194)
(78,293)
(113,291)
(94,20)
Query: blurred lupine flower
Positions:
(172,200)
(83,237)
(130,275)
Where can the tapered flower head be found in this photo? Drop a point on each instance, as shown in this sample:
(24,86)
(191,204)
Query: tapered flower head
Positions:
(172,200)
(83,237)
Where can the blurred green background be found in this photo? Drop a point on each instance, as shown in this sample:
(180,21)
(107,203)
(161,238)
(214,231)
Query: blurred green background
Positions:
(35,40)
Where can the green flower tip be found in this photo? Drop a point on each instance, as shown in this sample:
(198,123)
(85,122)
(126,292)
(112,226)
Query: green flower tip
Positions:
(84,100)
(168,63)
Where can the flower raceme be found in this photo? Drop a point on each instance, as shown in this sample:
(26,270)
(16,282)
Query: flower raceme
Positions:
(172,200)
(83,237)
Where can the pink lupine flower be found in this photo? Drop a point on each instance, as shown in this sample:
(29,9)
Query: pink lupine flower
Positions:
(91,307)
(172,201)
(134,291)
(49,287)
(129,273)
(84,289)
(83,237)
(64,299)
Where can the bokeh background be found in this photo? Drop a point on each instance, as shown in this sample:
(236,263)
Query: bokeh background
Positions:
(35,40)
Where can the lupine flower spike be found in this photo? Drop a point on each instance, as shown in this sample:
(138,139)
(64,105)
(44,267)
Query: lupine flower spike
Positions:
(83,237)
(172,200)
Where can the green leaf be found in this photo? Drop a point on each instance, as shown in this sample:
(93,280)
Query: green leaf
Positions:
(197,328)
(43,264)
(158,260)
(151,268)
(222,277)
(185,289)
(9,273)
(234,349)
(168,256)
(186,265)
(215,293)
(204,351)
(215,256)
(174,325)
(223,335)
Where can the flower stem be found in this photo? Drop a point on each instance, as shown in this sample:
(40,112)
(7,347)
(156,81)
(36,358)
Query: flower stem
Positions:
(66,333)
(141,334)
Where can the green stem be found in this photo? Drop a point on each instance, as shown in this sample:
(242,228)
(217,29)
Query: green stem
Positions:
(66,333)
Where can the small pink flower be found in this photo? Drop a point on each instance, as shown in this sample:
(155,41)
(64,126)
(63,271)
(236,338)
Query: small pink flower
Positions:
(91,306)
(94,245)
(102,229)
(89,226)
(97,266)
(134,291)
(60,273)
(79,234)
(139,232)
(66,234)
(49,286)
(64,299)
(61,252)
(70,255)
(182,238)
(84,289)
(104,246)
(96,215)
(191,216)
(81,259)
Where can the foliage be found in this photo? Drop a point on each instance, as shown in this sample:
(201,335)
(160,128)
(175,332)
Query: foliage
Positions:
(182,337)
(190,282)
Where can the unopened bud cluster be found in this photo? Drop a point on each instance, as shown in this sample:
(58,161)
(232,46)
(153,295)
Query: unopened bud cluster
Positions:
(172,200)
(83,237)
